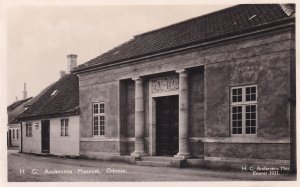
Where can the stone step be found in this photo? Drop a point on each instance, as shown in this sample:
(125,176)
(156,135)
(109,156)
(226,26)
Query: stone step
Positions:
(157,158)
(152,163)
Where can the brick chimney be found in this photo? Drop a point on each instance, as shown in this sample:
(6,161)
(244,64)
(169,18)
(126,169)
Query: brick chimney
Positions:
(72,62)
(25,92)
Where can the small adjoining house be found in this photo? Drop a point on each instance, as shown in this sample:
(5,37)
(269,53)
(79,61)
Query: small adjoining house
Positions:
(216,90)
(50,125)
(13,110)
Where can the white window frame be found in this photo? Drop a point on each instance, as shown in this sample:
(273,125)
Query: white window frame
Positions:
(28,129)
(100,115)
(64,127)
(243,104)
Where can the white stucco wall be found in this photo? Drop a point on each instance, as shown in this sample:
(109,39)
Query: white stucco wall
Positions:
(32,144)
(64,145)
(59,145)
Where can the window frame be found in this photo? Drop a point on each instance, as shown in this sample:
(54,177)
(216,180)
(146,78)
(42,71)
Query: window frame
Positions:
(64,127)
(100,115)
(243,104)
(28,128)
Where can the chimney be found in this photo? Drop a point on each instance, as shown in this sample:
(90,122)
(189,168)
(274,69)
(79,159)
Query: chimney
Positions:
(24,92)
(16,98)
(72,62)
(62,73)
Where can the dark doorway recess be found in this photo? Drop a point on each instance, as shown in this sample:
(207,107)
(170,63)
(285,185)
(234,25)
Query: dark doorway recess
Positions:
(45,136)
(167,126)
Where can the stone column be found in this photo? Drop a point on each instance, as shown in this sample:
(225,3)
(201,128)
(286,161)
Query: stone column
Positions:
(139,119)
(184,151)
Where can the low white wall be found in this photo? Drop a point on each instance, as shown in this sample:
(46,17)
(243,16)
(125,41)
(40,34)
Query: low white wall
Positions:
(32,144)
(59,145)
(64,145)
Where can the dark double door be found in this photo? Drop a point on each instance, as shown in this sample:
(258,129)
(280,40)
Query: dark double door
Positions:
(45,136)
(167,126)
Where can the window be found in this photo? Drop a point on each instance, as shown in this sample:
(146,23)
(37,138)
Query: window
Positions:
(244,110)
(17,134)
(29,129)
(99,119)
(64,127)
(13,134)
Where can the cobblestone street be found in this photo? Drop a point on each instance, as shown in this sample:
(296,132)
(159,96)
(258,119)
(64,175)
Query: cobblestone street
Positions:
(29,167)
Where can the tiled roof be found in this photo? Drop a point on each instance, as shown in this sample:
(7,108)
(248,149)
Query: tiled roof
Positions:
(59,99)
(16,104)
(226,22)
(16,109)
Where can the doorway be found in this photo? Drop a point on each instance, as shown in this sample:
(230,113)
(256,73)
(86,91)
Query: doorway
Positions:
(167,126)
(45,136)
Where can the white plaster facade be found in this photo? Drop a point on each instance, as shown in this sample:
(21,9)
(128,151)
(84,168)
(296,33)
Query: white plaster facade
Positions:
(59,145)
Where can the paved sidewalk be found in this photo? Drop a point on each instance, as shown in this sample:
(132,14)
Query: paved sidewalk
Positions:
(29,167)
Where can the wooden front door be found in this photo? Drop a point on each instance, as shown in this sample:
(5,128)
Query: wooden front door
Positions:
(45,136)
(9,137)
(167,126)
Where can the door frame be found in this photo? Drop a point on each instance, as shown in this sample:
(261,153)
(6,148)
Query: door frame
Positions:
(152,114)
(42,127)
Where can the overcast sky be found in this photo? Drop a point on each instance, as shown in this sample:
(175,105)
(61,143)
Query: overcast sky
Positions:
(40,37)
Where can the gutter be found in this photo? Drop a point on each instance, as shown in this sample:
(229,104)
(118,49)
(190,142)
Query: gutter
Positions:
(287,22)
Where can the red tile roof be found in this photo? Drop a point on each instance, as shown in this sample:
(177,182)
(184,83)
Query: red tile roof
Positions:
(229,21)
(51,103)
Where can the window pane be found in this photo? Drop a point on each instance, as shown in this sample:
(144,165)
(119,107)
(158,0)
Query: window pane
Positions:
(67,130)
(239,130)
(253,130)
(234,99)
(240,98)
(240,116)
(102,108)
(253,89)
(248,90)
(234,131)
(253,97)
(95,109)
(253,108)
(239,91)
(240,123)
(247,108)
(234,92)
(234,116)
(247,130)
(239,109)
(247,115)
(248,97)
(234,109)
(247,123)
